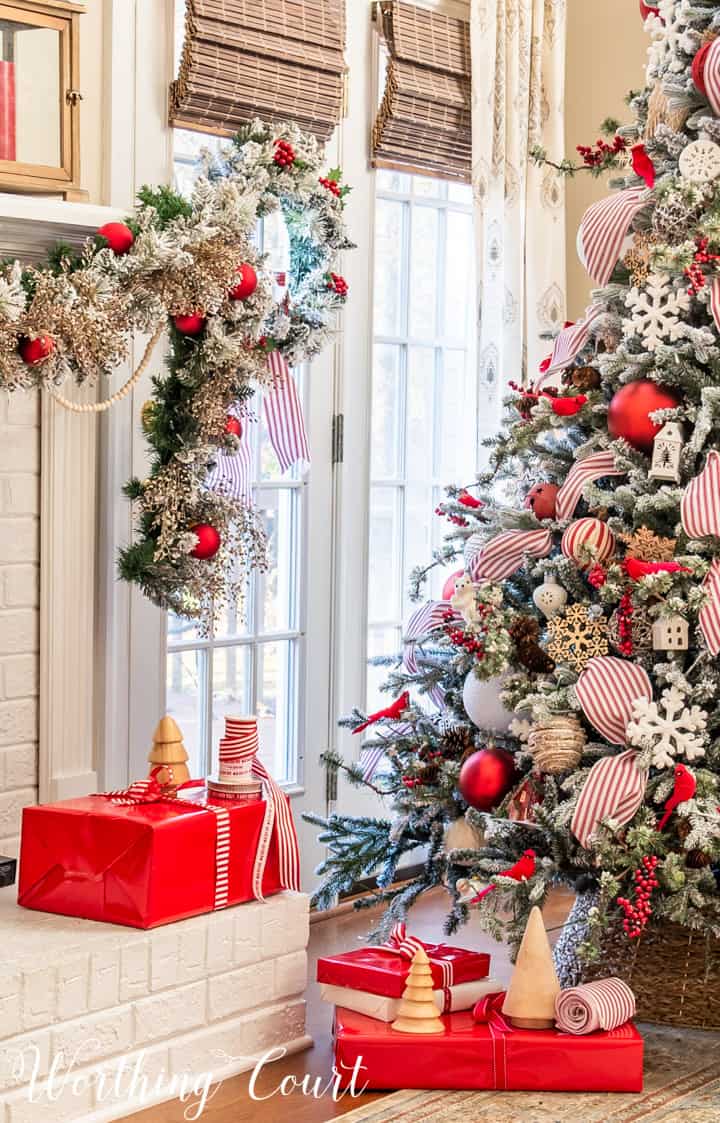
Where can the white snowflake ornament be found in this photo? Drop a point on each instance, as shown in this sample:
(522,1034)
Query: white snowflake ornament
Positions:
(669,729)
(700,161)
(656,312)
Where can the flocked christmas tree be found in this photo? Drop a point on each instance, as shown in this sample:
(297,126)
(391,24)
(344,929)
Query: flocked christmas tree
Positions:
(561,723)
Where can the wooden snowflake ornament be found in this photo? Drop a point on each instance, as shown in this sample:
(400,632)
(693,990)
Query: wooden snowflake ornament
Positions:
(700,161)
(647,546)
(577,637)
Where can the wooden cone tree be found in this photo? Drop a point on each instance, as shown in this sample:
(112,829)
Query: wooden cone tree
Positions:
(168,750)
(418,1012)
(530,999)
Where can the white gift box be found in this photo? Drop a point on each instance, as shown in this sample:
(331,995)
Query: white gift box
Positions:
(449,1001)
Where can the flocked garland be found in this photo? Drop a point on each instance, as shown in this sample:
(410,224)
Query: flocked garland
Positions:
(190,265)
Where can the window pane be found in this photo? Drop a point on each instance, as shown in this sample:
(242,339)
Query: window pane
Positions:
(186,685)
(429,188)
(276,709)
(396,182)
(460,193)
(385,556)
(181,630)
(277,587)
(388,264)
(418,531)
(423,278)
(386,412)
(457,418)
(459,274)
(232,689)
(381,641)
(420,413)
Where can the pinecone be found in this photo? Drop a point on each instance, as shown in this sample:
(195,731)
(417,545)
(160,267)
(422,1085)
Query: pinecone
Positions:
(525,631)
(585,378)
(694,859)
(458,743)
(674,217)
(429,774)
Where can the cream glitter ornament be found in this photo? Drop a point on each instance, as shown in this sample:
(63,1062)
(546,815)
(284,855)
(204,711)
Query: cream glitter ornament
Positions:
(550,597)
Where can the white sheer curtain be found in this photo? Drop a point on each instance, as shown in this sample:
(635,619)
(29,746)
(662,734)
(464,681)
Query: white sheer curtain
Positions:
(518,77)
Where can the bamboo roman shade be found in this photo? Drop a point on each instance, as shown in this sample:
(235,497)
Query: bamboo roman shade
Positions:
(278,60)
(423,124)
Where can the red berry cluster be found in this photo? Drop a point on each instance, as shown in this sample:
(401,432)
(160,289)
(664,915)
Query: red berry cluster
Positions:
(625,622)
(410,782)
(694,272)
(456,520)
(597,576)
(332,185)
(338,284)
(637,915)
(602,153)
(284,154)
(470,641)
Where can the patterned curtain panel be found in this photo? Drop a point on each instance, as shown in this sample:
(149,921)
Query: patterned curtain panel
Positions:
(518,77)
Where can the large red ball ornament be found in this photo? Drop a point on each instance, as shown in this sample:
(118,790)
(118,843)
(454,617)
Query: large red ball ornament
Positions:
(449,587)
(246,284)
(119,237)
(191,324)
(234,427)
(697,69)
(208,542)
(34,351)
(486,777)
(630,409)
(542,499)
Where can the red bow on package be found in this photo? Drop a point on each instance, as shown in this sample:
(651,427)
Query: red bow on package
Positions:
(151,790)
(406,946)
(488,1011)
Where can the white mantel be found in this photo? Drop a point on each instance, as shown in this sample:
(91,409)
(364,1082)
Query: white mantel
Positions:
(31,224)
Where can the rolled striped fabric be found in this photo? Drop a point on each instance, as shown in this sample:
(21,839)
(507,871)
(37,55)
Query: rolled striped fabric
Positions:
(582,473)
(504,554)
(569,344)
(602,1005)
(700,506)
(238,748)
(603,229)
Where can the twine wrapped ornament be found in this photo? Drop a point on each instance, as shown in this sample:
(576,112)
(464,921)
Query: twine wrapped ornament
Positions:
(557,743)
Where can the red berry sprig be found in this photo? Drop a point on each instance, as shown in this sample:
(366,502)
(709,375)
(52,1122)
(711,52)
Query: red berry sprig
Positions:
(601,154)
(337,284)
(638,914)
(284,154)
(332,185)
(625,622)
(456,520)
(469,641)
(597,576)
(694,272)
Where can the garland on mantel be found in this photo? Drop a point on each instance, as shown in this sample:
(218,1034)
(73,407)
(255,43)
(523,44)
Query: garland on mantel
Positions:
(191,267)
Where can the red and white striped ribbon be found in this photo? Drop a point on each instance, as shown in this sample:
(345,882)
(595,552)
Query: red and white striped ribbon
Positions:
(232,474)
(711,75)
(569,344)
(238,747)
(284,415)
(603,229)
(406,946)
(584,472)
(709,616)
(602,1005)
(700,506)
(503,555)
(607,690)
(715,298)
(278,819)
(429,618)
(614,789)
(222,855)
(7,111)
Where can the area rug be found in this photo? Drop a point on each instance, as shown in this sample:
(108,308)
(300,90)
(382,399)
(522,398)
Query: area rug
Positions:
(682,1082)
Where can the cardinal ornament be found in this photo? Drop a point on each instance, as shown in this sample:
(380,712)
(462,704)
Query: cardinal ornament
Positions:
(486,777)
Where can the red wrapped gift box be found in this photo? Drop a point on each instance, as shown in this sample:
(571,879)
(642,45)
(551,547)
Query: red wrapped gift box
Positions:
(140,865)
(470,1056)
(381,971)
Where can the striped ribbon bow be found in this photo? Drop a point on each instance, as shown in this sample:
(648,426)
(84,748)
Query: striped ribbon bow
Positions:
(505,553)
(406,946)
(700,506)
(151,790)
(286,429)
(603,1005)
(569,344)
(603,229)
(488,1011)
(582,473)
(709,615)
(711,75)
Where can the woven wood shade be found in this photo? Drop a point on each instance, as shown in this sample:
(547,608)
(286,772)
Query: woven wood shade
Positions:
(423,124)
(278,60)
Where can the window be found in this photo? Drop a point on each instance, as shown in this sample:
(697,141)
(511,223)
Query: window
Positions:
(424,387)
(252,663)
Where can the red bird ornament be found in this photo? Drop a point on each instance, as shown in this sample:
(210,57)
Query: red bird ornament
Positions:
(637,569)
(685,788)
(390,713)
(568,407)
(523,869)
(643,165)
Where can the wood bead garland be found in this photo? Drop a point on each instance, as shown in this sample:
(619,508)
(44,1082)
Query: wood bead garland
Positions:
(557,743)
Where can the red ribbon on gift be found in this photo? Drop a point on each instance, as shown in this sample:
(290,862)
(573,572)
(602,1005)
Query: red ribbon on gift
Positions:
(488,1011)
(406,946)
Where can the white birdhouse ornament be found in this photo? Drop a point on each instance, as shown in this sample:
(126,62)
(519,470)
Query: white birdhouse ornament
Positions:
(671,633)
(666,453)
(550,597)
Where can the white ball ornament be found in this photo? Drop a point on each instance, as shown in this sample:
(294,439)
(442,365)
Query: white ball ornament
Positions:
(481,700)
(699,161)
(550,597)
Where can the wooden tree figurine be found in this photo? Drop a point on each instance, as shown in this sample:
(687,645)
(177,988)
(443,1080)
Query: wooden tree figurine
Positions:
(530,999)
(418,1012)
(168,749)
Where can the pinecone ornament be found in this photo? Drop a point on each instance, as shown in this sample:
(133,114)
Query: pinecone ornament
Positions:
(525,631)
(458,743)
(694,859)
(585,378)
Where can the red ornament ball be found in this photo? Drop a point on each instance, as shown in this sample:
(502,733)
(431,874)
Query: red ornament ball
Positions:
(647,10)
(449,587)
(119,237)
(542,499)
(486,777)
(630,409)
(208,542)
(191,324)
(247,283)
(234,427)
(34,351)
(698,67)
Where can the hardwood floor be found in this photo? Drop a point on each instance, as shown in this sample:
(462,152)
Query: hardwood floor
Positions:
(232,1103)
